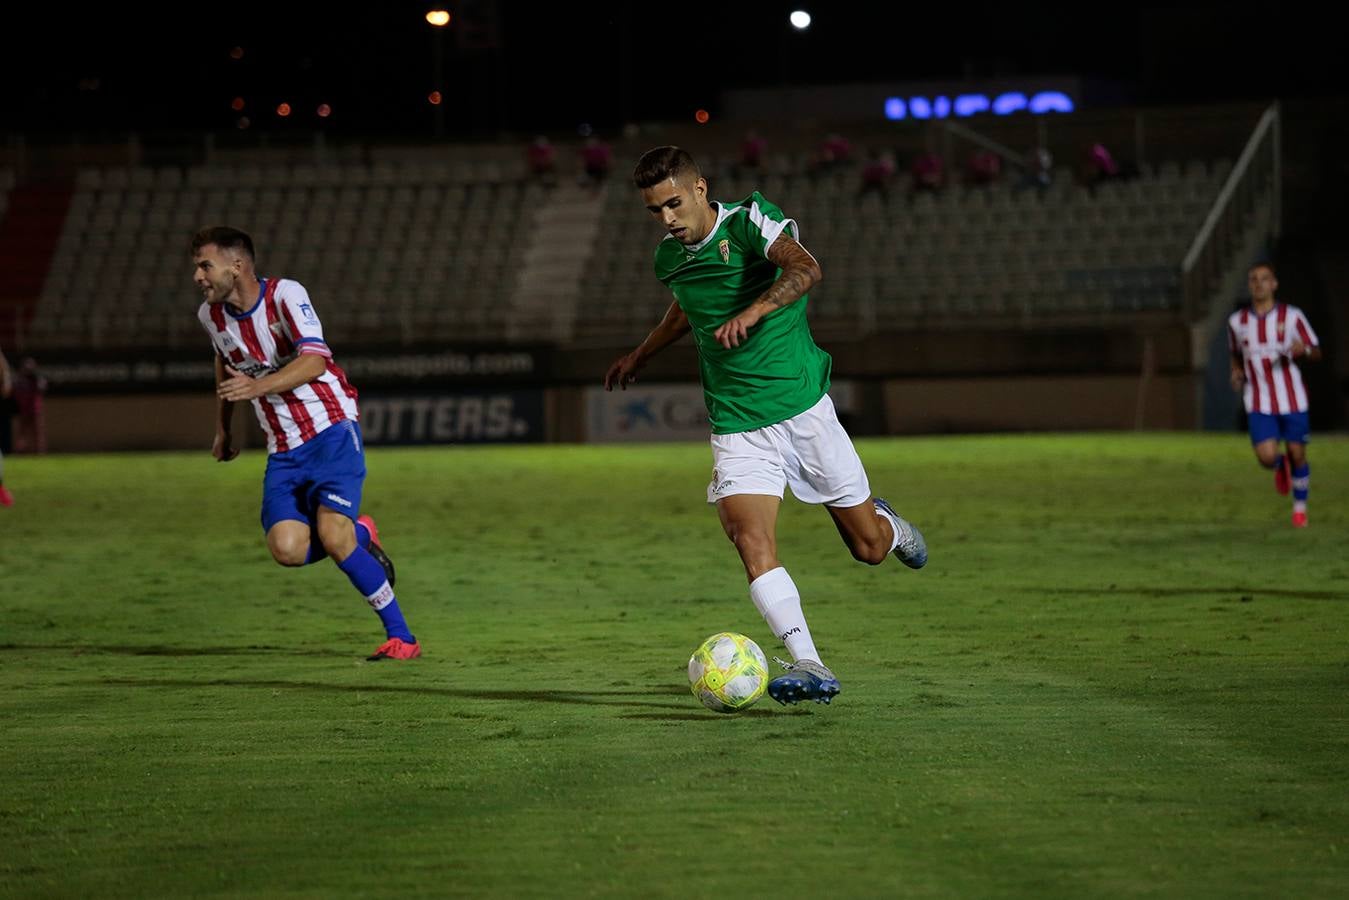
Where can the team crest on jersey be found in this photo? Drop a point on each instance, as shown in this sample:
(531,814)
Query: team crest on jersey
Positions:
(724,247)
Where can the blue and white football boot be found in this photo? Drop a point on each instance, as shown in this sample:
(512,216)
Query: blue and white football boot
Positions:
(911,549)
(804,679)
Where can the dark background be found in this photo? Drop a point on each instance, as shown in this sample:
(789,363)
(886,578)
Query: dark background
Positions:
(513,67)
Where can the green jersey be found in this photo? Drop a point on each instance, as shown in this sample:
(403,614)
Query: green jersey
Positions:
(777,371)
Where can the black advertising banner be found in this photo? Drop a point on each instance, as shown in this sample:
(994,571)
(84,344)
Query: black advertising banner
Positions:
(459,417)
(133,371)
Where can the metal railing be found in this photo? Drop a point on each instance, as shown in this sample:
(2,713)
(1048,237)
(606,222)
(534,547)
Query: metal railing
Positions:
(1258,170)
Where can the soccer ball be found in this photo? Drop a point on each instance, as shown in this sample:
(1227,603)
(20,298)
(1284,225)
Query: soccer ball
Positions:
(728,672)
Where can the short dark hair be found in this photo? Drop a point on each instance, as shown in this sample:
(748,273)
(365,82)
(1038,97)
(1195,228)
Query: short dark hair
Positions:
(660,163)
(1262,265)
(224,237)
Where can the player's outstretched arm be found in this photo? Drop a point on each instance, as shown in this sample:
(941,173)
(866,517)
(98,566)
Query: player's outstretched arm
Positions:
(800,272)
(222,448)
(1237,376)
(671,328)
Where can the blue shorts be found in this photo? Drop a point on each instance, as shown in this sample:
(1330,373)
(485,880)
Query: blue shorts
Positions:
(328,470)
(1295,428)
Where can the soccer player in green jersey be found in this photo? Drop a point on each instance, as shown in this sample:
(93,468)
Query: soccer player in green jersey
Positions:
(740,281)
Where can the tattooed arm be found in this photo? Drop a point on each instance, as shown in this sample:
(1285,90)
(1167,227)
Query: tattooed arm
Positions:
(800,273)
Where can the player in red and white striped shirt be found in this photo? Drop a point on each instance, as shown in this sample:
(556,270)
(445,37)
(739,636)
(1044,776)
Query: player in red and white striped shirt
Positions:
(1269,342)
(269,349)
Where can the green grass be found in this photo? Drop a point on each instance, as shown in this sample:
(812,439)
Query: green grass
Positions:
(1122,674)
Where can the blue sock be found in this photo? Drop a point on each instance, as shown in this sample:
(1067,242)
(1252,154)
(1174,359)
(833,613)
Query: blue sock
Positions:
(1302,477)
(362,536)
(367,576)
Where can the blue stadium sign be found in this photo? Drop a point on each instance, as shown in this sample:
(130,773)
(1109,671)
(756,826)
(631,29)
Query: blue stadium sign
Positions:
(965,105)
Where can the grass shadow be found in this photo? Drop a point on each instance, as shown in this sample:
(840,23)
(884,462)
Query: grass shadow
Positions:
(594,698)
(708,716)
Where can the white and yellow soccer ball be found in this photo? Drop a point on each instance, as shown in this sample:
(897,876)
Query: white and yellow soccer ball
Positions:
(728,672)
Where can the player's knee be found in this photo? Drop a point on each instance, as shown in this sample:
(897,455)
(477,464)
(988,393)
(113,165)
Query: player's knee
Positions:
(289,552)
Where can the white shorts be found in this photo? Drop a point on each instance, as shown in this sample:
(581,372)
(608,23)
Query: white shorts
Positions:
(809,452)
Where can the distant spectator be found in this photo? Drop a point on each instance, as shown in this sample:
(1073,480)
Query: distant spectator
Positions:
(877,173)
(836,151)
(541,157)
(929,172)
(29,389)
(597,158)
(1039,172)
(752,150)
(984,167)
(1100,165)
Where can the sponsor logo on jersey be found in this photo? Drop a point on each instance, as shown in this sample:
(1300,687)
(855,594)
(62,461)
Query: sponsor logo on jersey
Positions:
(250,367)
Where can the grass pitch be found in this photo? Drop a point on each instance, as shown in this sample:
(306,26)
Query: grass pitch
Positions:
(1121,674)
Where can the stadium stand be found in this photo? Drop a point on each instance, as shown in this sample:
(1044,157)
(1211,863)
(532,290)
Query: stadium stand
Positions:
(471,249)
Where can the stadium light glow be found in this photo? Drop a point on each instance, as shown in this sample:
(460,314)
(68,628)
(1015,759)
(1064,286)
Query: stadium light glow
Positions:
(438,17)
(800,19)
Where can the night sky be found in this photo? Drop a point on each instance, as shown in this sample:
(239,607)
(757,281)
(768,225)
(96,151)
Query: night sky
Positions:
(514,67)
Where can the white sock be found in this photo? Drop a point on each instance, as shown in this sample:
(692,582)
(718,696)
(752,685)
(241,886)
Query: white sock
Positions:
(776,598)
(894,526)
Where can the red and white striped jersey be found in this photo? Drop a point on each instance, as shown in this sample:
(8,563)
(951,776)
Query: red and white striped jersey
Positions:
(281,326)
(1273,382)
